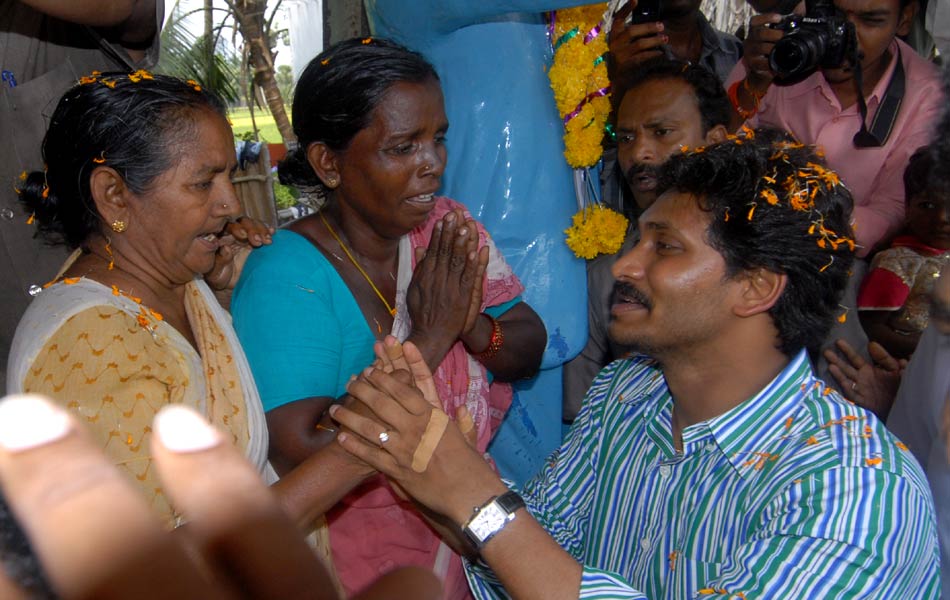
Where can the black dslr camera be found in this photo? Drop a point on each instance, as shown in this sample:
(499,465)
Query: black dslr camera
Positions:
(821,38)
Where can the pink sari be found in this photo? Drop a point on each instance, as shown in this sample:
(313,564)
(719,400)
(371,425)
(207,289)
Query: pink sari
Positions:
(372,530)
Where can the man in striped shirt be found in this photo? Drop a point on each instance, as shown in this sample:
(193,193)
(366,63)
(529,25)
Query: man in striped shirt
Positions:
(720,467)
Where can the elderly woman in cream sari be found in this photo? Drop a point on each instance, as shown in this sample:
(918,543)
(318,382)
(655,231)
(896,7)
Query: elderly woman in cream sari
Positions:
(138,182)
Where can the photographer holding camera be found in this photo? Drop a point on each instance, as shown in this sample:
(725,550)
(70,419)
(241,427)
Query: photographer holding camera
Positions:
(838,77)
(803,73)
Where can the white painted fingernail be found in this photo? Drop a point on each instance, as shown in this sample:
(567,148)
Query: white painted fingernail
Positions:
(30,420)
(181,429)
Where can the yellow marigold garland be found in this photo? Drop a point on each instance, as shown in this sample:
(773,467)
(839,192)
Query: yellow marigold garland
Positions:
(596,230)
(582,95)
(579,80)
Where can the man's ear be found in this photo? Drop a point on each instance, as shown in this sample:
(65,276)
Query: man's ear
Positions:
(760,290)
(323,160)
(716,134)
(905,19)
(110,193)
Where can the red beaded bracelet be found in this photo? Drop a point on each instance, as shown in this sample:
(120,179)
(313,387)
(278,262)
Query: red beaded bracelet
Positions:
(494,343)
(733,94)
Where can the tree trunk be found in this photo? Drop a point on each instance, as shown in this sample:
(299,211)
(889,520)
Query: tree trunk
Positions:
(249,15)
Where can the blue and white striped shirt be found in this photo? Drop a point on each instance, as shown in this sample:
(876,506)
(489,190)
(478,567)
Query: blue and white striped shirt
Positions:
(795,493)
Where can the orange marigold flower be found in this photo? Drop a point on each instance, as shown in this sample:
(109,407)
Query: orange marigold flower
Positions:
(368,40)
(770,196)
(85,80)
(109,83)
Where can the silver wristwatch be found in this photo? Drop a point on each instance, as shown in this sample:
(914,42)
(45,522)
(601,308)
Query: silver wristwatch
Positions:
(492,517)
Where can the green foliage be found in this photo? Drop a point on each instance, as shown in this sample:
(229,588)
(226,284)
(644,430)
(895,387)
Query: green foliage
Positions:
(285,196)
(183,55)
(285,82)
(243,128)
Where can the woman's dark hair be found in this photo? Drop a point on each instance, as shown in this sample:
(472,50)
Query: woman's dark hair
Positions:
(711,98)
(774,205)
(337,93)
(130,122)
(920,175)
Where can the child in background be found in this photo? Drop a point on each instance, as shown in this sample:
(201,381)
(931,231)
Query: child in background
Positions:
(894,300)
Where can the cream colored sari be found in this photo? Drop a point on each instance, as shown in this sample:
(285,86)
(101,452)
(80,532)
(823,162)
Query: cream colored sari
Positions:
(115,363)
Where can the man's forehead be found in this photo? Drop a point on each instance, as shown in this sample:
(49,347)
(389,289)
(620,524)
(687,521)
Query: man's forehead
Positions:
(868,6)
(658,99)
(674,210)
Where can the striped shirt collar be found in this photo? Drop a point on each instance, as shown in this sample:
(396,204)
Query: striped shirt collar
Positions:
(738,432)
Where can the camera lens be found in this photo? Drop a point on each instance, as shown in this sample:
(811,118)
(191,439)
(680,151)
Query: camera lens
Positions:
(798,53)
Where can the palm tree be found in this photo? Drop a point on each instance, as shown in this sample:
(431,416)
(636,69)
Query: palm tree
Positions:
(257,30)
(205,60)
(186,56)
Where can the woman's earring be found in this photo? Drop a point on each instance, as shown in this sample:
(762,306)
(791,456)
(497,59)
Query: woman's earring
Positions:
(118,226)
(331,182)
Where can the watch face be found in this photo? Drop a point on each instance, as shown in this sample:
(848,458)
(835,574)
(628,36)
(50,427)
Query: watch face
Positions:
(488,521)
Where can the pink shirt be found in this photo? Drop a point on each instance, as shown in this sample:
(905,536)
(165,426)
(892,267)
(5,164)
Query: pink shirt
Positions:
(811,112)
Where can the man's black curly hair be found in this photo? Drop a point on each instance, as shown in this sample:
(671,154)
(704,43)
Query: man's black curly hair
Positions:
(773,204)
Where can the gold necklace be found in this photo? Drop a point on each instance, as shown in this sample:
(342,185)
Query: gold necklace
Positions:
(392,311)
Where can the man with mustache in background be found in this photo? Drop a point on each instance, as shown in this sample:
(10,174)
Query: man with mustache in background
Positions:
(665,105)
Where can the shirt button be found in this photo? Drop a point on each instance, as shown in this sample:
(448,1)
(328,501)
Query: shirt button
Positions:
(645,544)
(6,214)
(664,470)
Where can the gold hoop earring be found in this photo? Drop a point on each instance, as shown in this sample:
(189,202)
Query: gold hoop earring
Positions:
(118,226)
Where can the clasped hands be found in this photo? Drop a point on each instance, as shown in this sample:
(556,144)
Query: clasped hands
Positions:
(445,295)
(428,456)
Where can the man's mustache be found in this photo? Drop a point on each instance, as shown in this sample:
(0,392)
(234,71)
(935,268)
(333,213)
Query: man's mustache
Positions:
(626,291)
(642,169)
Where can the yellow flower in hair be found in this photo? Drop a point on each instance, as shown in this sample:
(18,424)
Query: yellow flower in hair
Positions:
(87,79)
(194,84)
